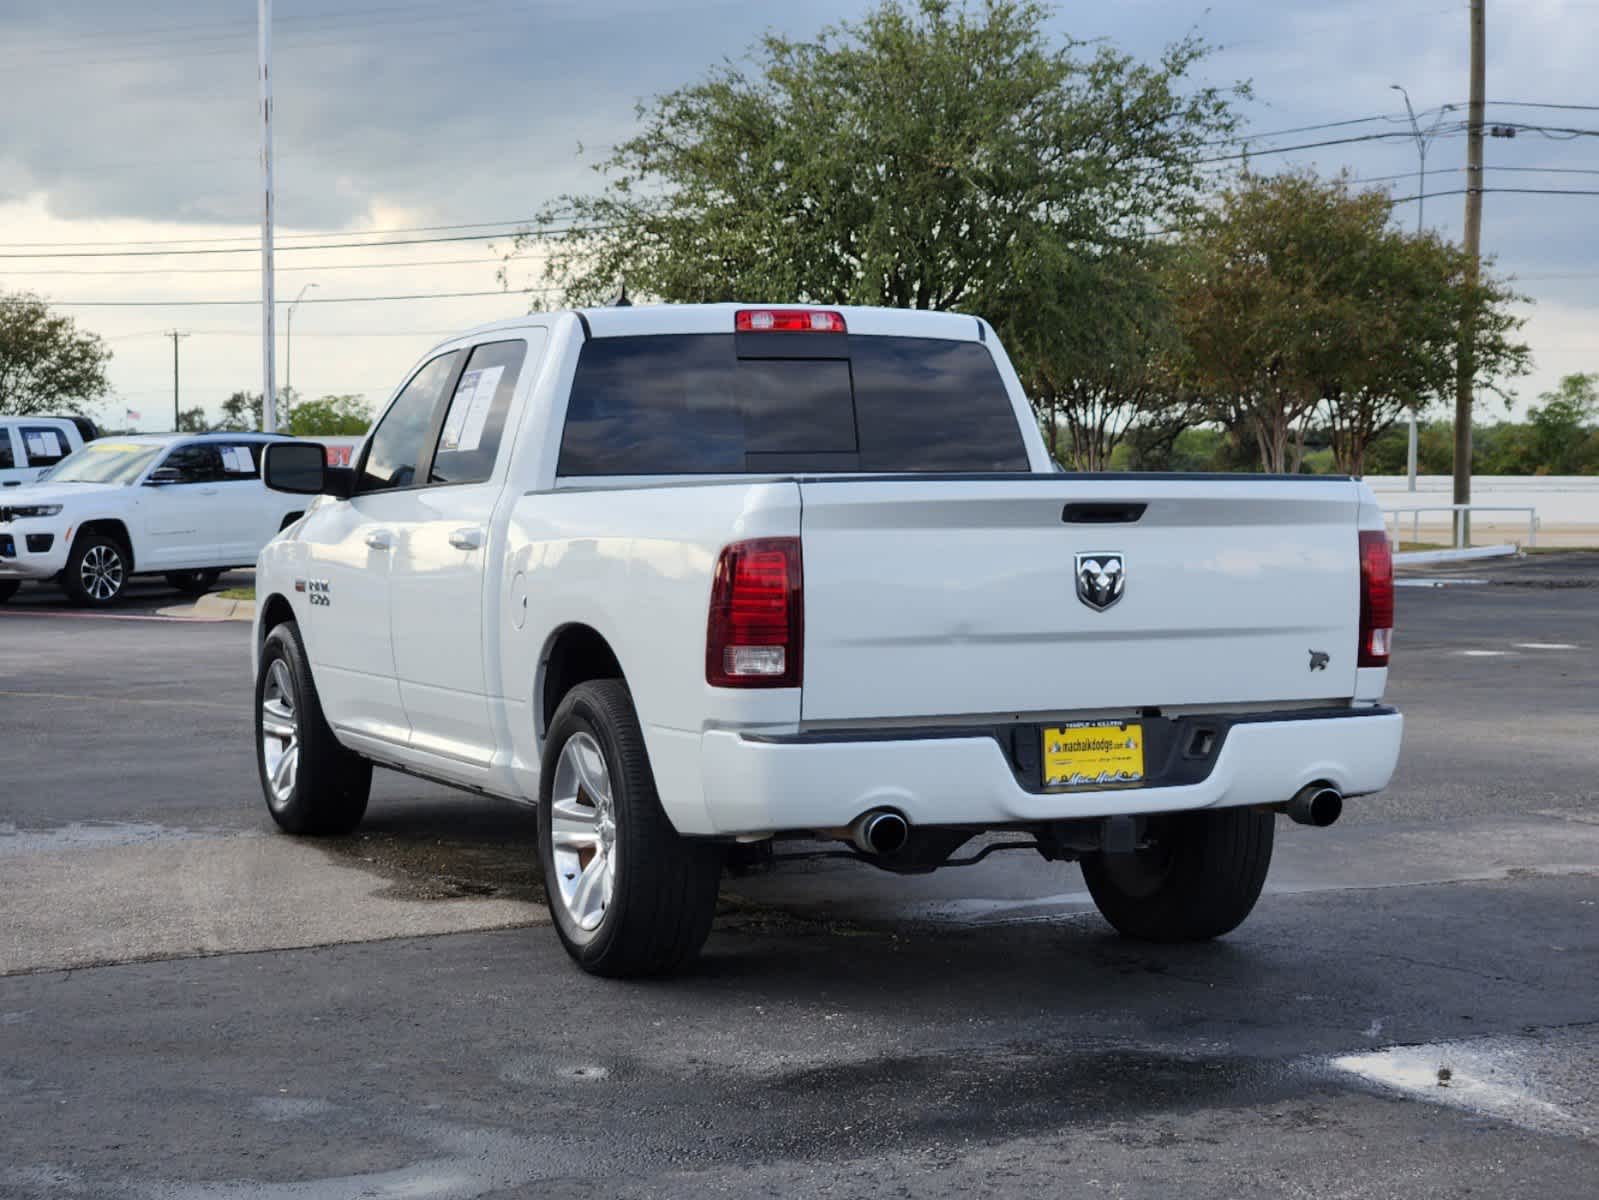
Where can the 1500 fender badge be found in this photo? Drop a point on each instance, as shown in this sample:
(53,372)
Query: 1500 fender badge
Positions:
(316,591)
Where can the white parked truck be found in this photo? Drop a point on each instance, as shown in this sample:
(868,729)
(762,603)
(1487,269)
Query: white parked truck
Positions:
(692,576)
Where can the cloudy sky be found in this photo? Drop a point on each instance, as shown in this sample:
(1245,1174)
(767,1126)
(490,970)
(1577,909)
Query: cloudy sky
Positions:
(133,128)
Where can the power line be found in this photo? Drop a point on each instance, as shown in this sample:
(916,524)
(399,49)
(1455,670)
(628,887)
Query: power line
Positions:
(1249,137)
(1365,137)
(1538,104)
(477,237)
(255,238)
(381,266)
(313,300)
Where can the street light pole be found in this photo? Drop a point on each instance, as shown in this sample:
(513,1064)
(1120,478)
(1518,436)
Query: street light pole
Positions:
(1423,141)
(269,416)
(288,345)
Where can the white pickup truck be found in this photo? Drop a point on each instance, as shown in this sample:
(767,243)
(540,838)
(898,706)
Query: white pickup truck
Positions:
(690,576)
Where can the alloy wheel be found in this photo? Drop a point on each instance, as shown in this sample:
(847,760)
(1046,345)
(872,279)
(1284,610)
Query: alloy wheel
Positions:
(102,572)
(583,832)
(280,733)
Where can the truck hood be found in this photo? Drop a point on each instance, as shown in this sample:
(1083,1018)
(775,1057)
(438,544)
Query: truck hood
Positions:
(63,494)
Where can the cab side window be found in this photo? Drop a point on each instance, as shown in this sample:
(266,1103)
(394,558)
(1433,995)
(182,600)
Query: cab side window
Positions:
(398,443)
(44,446)
(469,441)
(240,461)
(195,463)
(7,459)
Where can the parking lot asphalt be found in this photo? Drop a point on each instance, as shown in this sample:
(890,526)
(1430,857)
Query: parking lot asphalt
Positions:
(1412,1010)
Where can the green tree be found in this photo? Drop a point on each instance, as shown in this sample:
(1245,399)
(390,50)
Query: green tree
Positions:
(1559,425)
(932,156)
(192,420)
(241,413)
(46,364)
(330,416)
(1299,299)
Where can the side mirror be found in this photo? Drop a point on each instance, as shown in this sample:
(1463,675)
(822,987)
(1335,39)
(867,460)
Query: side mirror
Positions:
(301,468)
(164,475)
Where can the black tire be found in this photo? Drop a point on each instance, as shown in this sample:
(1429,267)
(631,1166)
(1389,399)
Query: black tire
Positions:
(663,894)
(1199,878)
(193,583)
(8,589)
(97,570)
(328,790)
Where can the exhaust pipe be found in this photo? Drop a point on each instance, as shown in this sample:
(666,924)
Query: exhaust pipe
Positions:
(879,832)
(1316,804)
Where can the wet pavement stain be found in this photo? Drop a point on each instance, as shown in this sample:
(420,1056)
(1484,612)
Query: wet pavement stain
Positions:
(421,865)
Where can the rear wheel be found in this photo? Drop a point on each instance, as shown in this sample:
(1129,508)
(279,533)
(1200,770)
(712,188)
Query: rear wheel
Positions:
(630,896)
(193,583)
(312,784)
(1198,877)
(8,589)
(97,570)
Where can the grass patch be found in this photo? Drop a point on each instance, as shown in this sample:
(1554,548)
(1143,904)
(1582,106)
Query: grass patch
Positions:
(238,593)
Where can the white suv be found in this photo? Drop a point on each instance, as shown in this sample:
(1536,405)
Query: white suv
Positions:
(187,507)
(30,446)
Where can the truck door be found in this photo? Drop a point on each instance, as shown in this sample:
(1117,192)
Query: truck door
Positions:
(443,541)
(350,550)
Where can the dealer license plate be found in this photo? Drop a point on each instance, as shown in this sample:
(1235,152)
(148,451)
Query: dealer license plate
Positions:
(1093,753)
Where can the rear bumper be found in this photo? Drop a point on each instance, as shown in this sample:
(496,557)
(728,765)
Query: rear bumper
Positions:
(758,784)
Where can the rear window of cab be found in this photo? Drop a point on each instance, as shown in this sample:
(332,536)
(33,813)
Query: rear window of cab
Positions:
(692,405)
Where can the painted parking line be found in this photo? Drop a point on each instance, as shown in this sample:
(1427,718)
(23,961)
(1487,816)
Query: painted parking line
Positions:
(1546,646)
(1485,653)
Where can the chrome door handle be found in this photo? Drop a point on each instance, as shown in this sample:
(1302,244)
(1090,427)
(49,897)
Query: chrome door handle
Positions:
(470,538)
(380,539)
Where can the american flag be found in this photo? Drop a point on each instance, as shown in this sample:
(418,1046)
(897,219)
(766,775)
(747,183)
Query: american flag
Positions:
(130,415)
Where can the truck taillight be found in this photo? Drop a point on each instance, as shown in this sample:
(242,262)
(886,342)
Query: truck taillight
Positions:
(1376,598)
(755,635)
(788,320)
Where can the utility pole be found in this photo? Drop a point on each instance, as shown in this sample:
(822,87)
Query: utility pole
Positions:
(269,391)
(1410,458)
(1466,369)
(177,413)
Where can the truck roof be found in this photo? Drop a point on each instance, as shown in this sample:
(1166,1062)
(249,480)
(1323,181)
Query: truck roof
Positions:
(645,319)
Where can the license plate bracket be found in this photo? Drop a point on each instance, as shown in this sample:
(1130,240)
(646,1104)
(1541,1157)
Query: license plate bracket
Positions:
(1090,754)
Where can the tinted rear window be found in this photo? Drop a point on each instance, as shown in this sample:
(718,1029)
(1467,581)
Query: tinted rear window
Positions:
(688,405)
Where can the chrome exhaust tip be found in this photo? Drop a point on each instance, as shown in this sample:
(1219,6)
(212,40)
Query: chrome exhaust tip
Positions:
(1316,804)
(879,832)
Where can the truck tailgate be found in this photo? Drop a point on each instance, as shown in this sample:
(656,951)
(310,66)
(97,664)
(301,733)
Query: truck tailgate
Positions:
(946,597)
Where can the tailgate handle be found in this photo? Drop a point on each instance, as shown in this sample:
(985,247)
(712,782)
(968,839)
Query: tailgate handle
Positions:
(1102,514)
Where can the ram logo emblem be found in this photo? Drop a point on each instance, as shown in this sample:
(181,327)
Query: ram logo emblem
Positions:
(1101,579)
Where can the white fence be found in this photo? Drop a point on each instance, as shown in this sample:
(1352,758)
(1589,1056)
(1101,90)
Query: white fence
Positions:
(1414,513)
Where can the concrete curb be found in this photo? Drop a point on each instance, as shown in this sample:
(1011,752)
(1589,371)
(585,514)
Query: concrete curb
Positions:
(1421,558)
(213,608)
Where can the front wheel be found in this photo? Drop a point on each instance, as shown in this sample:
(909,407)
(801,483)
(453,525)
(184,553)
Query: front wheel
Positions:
(1197,878)
(630,896)
(193,583)
(97,570)
(312,784)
